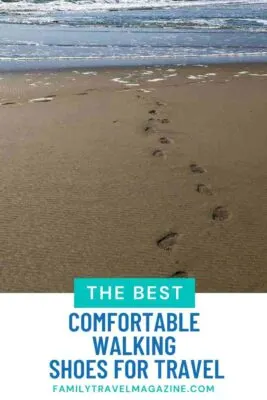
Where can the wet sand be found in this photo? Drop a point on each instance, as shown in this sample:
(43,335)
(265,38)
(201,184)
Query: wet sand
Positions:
(135,172)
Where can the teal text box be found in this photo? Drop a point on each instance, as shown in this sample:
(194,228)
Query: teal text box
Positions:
(134,293)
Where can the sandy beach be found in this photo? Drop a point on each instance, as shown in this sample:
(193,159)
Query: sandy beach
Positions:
(134,172)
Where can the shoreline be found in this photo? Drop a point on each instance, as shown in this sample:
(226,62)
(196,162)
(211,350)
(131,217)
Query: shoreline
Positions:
(158,173)
(53,82)
(222,64)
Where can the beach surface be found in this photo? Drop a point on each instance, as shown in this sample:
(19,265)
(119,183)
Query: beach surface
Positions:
(134,172)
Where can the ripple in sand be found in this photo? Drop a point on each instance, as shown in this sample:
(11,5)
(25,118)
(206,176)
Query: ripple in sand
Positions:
(8,103)
(168,241)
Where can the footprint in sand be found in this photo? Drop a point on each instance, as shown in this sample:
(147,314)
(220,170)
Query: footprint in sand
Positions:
(197,169)
(152,112)
(179,274)
(149,129)
(204,189)
(165,140)
(160,104)
(159,153)
(168,241)
(164,120)
(220,213)
(41,100)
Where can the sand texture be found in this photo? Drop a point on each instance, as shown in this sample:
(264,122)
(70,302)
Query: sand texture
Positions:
(138,172)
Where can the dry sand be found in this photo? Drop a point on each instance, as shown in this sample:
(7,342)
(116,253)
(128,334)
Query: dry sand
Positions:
(101,177)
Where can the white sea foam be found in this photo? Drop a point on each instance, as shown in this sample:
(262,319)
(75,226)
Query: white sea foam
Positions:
(136,56)
(258,74)
(99,5)
(195,77)
(119,80)
(89,73)
(41,100)
(156,80)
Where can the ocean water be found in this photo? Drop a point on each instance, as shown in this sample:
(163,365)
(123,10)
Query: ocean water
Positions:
(85,33)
